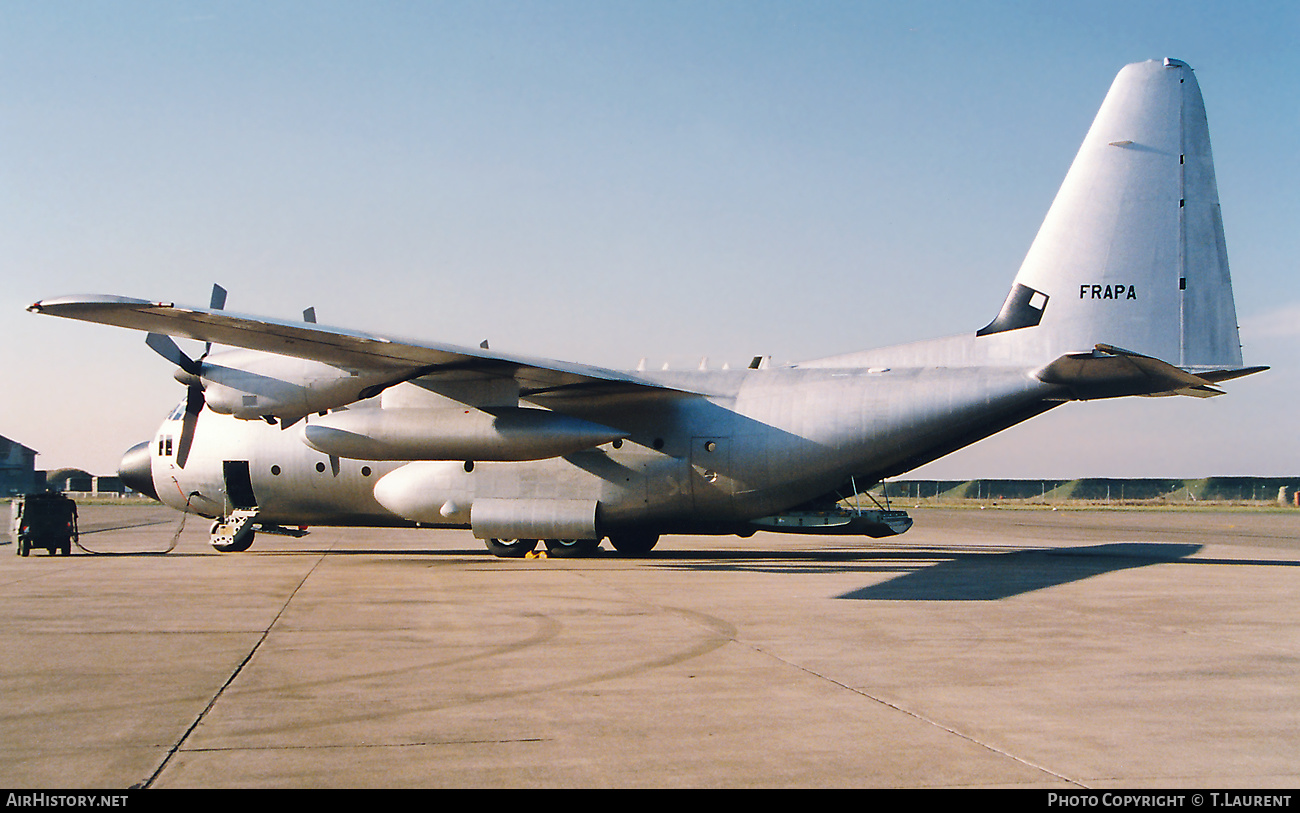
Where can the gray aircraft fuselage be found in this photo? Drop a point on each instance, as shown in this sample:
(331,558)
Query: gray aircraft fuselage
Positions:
(752,443)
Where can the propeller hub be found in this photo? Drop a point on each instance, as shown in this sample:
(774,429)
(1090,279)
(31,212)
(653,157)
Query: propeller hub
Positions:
(188,378)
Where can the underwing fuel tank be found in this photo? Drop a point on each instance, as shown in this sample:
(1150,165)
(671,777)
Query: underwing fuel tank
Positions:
(496,433)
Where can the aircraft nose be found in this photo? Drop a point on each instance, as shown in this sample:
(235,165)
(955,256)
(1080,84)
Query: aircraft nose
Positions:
(136,469)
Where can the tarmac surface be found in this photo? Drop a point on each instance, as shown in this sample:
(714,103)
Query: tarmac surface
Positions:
(994,648)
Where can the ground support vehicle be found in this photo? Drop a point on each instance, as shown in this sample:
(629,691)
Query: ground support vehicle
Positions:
(46,520)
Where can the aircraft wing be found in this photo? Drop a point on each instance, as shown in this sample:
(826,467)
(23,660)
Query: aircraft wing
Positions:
(340,347)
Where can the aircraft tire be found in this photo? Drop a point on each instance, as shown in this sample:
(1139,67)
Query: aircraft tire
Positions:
(571,548)
(24,547)
(242,541)
(510,548)
(634,543)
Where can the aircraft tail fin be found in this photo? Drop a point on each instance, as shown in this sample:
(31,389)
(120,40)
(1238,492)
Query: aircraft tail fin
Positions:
(1132,251)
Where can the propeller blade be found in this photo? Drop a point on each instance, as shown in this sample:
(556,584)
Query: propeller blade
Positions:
(193,399)
(188,421)
(168,349)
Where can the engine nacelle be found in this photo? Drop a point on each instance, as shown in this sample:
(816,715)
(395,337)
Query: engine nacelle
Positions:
(494,433)
(251,385)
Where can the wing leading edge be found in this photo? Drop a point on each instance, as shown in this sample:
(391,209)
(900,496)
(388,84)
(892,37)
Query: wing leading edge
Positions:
(341,347)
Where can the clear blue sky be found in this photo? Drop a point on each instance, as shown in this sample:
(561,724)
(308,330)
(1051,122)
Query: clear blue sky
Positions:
(605,181)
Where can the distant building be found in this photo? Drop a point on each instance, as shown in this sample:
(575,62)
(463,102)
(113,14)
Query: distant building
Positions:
(17,468)
(76,481)
(69,480)
(108,484)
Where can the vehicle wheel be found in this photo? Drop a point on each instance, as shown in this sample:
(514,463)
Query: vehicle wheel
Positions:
(24,547)
(634,543)
(571,548)
(510,548)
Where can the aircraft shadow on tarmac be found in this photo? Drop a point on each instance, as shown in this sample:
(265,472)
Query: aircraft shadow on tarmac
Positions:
(936,574)
(922,574)
(991,576)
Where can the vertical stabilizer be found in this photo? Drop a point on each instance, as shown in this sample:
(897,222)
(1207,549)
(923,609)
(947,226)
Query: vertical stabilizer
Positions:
(1132,252)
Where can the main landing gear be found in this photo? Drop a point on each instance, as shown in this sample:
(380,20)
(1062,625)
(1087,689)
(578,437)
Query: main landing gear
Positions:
(629,544)
(510,548)
(571,548)
(634,543)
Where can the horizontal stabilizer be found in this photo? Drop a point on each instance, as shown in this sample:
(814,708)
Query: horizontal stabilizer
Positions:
(1215,376)
(1112,372)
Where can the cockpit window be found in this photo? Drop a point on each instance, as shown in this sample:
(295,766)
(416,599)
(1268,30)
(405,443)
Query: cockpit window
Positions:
(178,412)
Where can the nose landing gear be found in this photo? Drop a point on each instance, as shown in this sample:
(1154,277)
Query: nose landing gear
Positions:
(234,533)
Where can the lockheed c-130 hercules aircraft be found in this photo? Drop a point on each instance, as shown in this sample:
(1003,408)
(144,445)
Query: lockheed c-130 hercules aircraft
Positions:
(1125,291)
